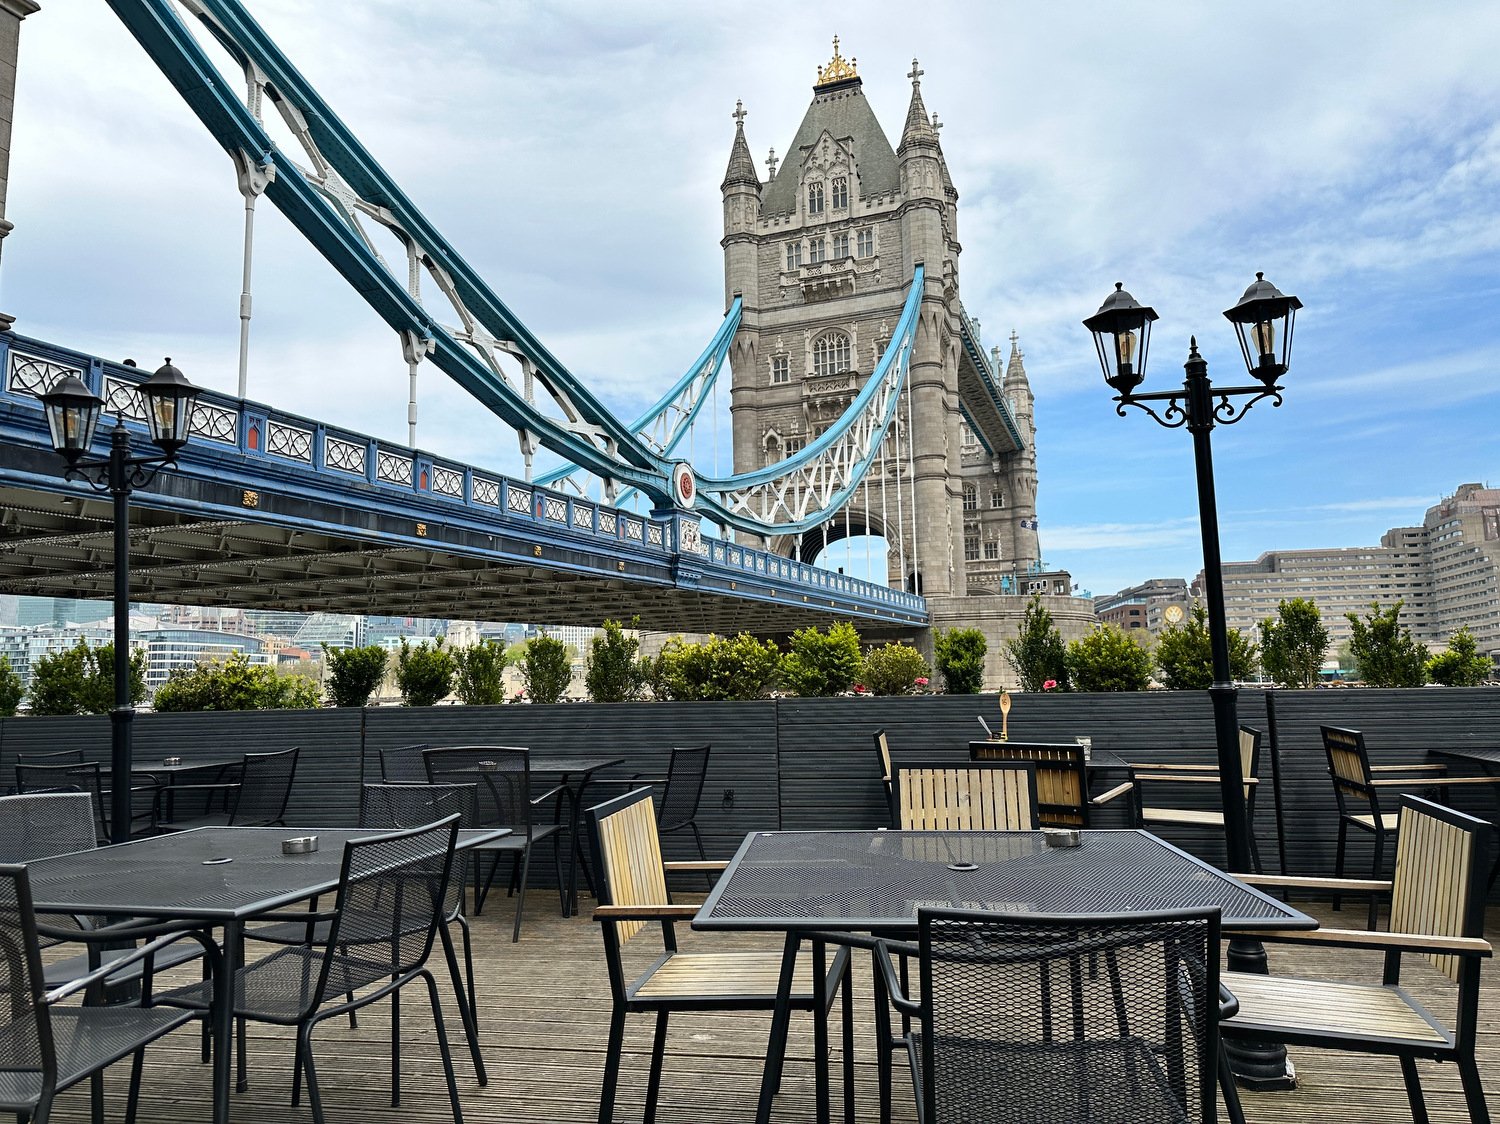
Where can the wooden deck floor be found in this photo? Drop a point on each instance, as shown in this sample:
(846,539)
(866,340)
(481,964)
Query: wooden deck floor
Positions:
(545,1010)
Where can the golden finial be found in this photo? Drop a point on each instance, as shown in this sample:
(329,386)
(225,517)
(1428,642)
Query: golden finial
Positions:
(839,70)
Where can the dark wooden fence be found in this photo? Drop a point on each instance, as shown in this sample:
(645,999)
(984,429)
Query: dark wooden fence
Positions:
(810,763)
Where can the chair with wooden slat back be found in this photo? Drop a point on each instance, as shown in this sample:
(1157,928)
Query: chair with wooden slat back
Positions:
(972,796)
(1358,790)
(1437,912)
(883,756)
(1153,816)
(1061,778)
(632,894)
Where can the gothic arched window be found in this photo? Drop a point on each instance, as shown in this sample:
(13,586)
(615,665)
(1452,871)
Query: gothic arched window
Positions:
(840,247)
(815,198)
(997,498)
(971,498)
(840,193)
(831,354)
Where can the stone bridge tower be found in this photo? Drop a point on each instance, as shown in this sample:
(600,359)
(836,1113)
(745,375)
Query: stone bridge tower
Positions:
(823,253)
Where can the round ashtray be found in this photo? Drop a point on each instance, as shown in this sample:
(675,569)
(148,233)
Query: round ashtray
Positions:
(963,867)
(1061,837)
(171,760)
(488,766)
(300,845)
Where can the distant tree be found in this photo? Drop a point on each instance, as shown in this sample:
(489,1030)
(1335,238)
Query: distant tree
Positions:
(1387,653)
(1038,652)
(234,684)
(893,669)
(1108,659)
(1292,645)
(819,664)
(81,680)
(959,656)
(12,690)
(424,674)
(546,669)
(1460,665)
(479,673)
(353,673)
(1184,654)
(614,672)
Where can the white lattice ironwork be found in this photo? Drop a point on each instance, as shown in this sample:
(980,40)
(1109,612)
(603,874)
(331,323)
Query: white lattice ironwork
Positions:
(608,522)
(31,374)
(122,399)
(554,509)
(390,467)
(519,500)
(447,482)
(289,441)
(583,516)
(345,456)
(215,423)
(486,491)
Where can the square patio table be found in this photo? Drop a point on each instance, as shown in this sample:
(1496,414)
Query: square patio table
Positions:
(165,777)
(206,877)
(574,771)
(805,882)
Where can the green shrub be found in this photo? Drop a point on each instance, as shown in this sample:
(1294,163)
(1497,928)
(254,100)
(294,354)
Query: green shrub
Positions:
(1385,650)
(1293,643)
(1108,659)
(353,673)
(12,690)
(1460,665)
(81,680)
(820,664)
(1038,653)
(1184,654)
(614,674)
(479,673)
(960,657)
(739,669)
(546,669)
(894,669)
(234,684)
(424,674)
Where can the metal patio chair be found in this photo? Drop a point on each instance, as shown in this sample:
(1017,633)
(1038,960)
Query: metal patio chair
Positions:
(257,797)
(1152,816)
(633,893)
(1061,778)
(379,935)
(47,1047)
(1056,1020)
(503,777)
(404,764)
(971,796)
(83,776)
(1437,912)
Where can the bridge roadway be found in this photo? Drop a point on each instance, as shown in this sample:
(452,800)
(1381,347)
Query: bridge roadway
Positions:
(268,510)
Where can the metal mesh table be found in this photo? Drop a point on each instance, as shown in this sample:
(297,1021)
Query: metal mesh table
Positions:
(877,880)
(213,876)
(811,882)
(574,771)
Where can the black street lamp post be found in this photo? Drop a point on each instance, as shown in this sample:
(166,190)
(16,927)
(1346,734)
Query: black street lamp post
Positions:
(1263,320)
(72,416)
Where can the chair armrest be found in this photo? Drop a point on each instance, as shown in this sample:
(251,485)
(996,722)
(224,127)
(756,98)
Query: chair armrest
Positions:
(1434,768)
(645,912)
(124,930)
(549,794)
(634,782)
(150,948)
(216,786)
(899,999)
(1300,882)
(708,866)
(1390,942)
(1437,782)
(1229,1006)
(1173,768)
(1189,778)
(1106,797)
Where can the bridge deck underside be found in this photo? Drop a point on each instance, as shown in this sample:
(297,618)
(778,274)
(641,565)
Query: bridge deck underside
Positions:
(57,546)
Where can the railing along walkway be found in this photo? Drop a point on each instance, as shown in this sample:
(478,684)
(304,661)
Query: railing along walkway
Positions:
(544,1013)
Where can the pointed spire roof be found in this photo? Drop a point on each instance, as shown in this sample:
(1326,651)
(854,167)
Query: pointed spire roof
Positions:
(1015,369)
(741,168)
(918,128)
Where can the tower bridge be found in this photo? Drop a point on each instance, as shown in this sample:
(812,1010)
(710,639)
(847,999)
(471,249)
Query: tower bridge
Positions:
(862,402)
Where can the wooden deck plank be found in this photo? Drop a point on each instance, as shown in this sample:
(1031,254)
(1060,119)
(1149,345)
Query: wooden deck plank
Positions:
(544,1019)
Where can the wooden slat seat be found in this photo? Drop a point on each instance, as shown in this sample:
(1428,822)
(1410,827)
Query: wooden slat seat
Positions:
(1388,821)
(1148,777)
(1186,817)
(711,977)
(1437,911)
(1320,1007)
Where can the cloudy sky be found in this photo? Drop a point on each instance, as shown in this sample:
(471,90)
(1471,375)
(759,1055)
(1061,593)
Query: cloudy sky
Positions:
(572,152)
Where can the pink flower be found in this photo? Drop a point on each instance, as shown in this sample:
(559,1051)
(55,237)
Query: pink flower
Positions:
(859,688)
(1050,685)
(921,681)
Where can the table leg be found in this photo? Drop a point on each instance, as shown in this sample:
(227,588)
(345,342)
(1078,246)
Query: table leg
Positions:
(820,1030)
(781,1018)
(223,1017)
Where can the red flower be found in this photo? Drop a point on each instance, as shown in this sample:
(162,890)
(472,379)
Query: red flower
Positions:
(1050,685)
